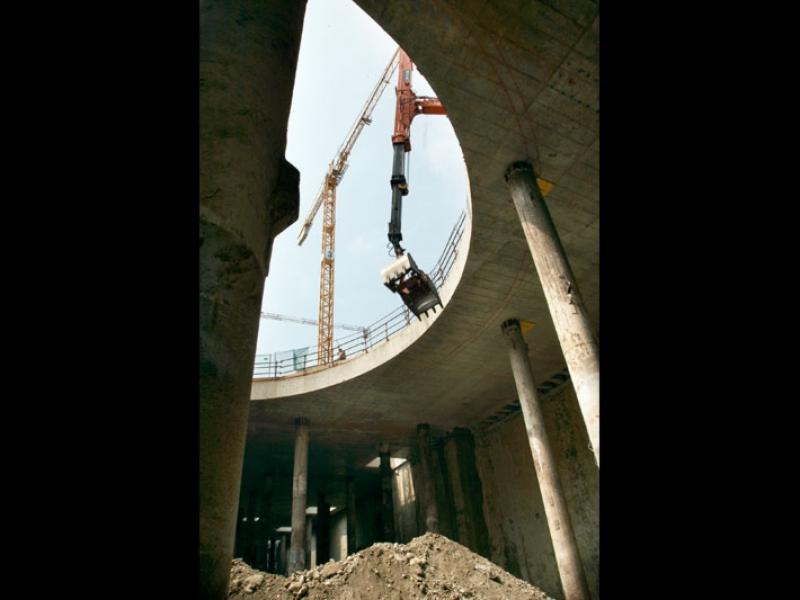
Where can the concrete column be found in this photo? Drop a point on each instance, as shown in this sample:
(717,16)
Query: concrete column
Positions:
(241,524)
(252,528)
(387,506)
(568,560)
(263,525)
(443,491)
(272,556)
(350,493)
(323,529)
(248,194)
(282,555)
(466,491)
(567,310)
(297,552)
(429,511)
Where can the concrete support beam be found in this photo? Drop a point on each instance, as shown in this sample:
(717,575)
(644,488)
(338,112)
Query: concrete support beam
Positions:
(467,492)
(253,508)
(248,194)
(282,555)
(262,526)
(568,560)
(443,490)
(429,510)
(387,507)
(350,494)
(567,309)
(297,552)
(241,527)
(323,529)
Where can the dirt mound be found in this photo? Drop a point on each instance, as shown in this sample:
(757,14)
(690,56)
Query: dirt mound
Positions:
(430,566)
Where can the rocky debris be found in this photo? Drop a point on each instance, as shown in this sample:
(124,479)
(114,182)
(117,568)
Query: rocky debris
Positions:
(246,580)
(429,567)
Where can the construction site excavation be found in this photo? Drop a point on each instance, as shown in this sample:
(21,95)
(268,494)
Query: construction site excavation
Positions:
(399,274)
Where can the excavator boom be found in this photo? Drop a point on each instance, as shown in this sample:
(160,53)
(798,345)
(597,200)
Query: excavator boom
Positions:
(403,276)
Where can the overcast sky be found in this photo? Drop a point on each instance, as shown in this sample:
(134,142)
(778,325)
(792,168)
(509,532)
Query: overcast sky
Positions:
(342,54)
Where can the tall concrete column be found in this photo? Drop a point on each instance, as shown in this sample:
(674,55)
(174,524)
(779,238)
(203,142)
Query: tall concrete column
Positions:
(443,491)
(263,524)
(568,560)
(248,194)
(466,491)
(429,511)
(282,555)
(241,525)
(270,561)
(350,493)
(297,552)
(323,529)
(252,528)
(387,506)
(567,310)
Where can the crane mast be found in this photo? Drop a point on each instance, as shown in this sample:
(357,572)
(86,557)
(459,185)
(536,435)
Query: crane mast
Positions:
(326,197)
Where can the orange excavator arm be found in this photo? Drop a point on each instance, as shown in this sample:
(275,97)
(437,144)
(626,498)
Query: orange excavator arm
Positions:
(403,276)
(409,105)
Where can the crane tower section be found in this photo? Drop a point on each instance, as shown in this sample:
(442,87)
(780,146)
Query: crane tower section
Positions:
(326,198)
(325,335)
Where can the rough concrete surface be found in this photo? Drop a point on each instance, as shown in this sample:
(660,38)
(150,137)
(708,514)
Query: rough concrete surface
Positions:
(430,566)
(513,507)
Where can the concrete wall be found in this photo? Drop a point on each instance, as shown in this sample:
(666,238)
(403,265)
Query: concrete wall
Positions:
(367,513)
(338,539)
(519,538)
(465,492)
(405,504)
(339,535)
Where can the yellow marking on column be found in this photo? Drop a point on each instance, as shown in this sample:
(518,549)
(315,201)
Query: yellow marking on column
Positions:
(545,187)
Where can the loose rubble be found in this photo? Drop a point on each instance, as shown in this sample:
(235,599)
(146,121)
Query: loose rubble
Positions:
(430,566)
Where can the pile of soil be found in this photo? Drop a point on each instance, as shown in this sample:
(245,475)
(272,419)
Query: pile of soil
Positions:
(430,566)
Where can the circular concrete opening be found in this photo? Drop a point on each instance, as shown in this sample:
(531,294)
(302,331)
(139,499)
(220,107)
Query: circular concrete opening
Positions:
(342,56)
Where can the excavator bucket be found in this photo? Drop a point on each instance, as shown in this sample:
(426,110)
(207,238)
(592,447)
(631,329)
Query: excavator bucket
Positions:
(414,286)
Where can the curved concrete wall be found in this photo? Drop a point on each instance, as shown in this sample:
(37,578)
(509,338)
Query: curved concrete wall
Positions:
(301,383)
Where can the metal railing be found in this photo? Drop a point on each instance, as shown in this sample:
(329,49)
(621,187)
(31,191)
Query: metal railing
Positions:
(278,364)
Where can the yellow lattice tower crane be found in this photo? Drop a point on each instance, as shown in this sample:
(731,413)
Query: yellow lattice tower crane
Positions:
(326,198)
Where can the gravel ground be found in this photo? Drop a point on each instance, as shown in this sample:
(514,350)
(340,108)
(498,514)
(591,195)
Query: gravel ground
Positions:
(430,566)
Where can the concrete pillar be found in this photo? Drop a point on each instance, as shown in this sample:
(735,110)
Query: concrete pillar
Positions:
(568,560)
(442,490)
(241,525)
(283,566)
(297,552)
(262,526)
(323,529)
(248,194)
(467,492)
(387,506)
(429,510)
(310,547)
(252,528)
(350,493)
(567,310)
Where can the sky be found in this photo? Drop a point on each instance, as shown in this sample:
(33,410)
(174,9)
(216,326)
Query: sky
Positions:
(342,55)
